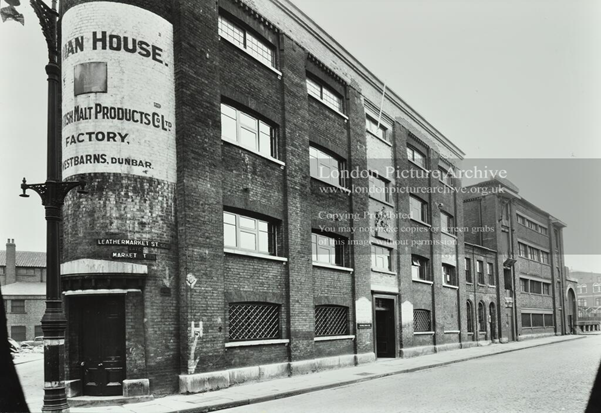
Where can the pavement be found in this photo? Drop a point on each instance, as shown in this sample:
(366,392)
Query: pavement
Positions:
(258,392)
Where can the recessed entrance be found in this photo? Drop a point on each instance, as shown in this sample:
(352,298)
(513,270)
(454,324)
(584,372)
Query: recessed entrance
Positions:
(385,326)
(101,343)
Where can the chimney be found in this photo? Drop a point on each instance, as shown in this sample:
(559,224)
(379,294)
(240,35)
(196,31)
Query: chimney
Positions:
(11,258)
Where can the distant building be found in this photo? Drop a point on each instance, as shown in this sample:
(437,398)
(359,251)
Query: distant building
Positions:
(588,291)
(23,283)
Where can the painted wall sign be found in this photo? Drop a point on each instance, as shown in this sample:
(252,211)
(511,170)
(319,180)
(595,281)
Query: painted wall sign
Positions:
(133,256)
(132,243)
(118,92)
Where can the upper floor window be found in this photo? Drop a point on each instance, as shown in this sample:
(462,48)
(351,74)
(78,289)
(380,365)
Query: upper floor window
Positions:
(596,288)
(446,223)
(533,254)
(449,275)
(491,273)
(419,268)
(480,271)
(546,289)
(528,223)
(247,233)
(325,167)
(327,250)
(524,286)
(246,130)
(258,49)
(325,95)
(380,130)
(379,188)
(17,306)
(468,271)
(544,257)
(445,176)
(522,250)
(581,289)
(582,302)
(419,209)
(380,258)
(416,156)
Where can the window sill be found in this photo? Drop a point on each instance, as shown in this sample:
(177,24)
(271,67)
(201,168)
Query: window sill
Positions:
(447,185)
(419,166)
(377,137)
(332,267)
(332,338)
(262,155)
(391,205)
(330,107)
(423,333)
(423,281)
(383,271)
(343,189)
(453,332)
(421,222)
(481,285)
(254,254)
(469,283)
(256,343)
(273,69)
(448,234)
(454,287)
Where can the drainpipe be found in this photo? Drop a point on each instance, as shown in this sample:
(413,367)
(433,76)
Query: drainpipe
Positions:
(513,288)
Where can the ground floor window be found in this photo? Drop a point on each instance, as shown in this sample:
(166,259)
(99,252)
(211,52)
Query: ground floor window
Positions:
(38,331)
(331,320)
(254,321)
(481,317)
(422,321)
(470,317)
(18,333)
(537,320)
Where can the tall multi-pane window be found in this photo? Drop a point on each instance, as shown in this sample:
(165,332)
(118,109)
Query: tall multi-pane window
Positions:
(470,317)
(325,167)
(380,131)
(468,271)
(416,156)
(327,250)
(258,49)
(533,254)
(419,209)
(449,275)
(544,257)
(524,285)
(325,95)
(546,289)
(490,270)
(446,223)
(419,268)
(480,271)
(481,317)
(522,250)
(247,131)
(380,258)
(246,233)
(17,306)
(536,287)
(445,176)
(379,188)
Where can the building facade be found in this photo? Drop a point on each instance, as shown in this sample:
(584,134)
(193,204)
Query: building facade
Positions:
(23,284)
(258,206)
(588,299)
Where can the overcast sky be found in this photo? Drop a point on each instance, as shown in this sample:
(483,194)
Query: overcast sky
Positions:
(510,79)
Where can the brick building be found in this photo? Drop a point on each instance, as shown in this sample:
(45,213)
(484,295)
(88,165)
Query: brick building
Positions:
(23,284)
(245,217)
(529,246)
(588,299)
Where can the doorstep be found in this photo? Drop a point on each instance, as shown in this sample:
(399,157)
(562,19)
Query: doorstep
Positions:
(89,401)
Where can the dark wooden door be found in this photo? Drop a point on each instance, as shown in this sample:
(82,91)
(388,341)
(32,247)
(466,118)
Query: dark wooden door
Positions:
(103,345)
(385,342)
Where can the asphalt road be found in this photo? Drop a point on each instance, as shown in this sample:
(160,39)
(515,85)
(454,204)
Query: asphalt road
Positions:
(546,379)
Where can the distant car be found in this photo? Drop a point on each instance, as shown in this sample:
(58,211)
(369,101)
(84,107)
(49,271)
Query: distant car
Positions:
(13,346)
(37,341)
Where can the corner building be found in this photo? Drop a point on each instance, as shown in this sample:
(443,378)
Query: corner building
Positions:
(224,238)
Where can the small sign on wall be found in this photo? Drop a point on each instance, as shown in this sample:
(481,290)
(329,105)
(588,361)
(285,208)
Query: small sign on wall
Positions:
(363,326)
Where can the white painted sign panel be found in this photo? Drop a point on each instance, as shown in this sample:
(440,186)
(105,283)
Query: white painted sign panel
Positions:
(118,92)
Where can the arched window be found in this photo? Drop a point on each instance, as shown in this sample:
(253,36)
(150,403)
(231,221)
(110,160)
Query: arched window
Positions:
(470,317)
(481,317)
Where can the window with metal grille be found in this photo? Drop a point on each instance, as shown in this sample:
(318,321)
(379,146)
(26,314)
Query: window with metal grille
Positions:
(258,49)
(470,317)
(18,333)
(421,321)
(254,321)
(331,320)
(17,306)
(481,317)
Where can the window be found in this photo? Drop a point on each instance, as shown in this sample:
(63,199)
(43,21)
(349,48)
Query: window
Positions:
(247,131)
(524,285)
(38,331)
(481,317)
(25,271)
(372,127)
(419,268)
(254,321)
(446,223)
(533,254)
(379,188)
(522,250)
(421,321)
(536,287)
(419,209)
(416,156)
(490,270)
(544,257)
(480,271)
(531,225)
(18,333)
(445,177)
(258,49)
(247,233)
(546,289)
(325,95)
(521,220)
(582,302)
(331,320)
(583,289)
(556,233)
(598,301)
(470,317)
(327,250)
(468,271)
(538,320)
(543,230)
(449,275)
(596,288)
(380,258)
(549,320)
(17,307)
(325,167)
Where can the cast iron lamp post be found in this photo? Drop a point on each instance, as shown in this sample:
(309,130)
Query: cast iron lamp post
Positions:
(53,193)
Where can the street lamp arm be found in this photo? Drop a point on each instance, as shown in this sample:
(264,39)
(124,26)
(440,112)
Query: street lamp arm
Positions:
(48,18)
(53,193)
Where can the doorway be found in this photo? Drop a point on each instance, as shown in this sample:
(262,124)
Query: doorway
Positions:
(384,309)
(101,343)
(492,315)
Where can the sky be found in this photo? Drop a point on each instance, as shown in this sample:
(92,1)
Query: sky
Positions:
(514,83)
